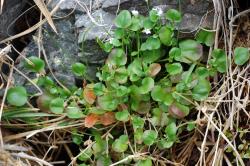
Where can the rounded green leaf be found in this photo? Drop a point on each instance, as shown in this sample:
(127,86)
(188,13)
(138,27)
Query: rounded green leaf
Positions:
(121,144)
(45,81)
(123,20)
(57,106)
(153,15)
(73,111)
(77,139)
(107,102)
(174,53)
(107,46)
(205,37)
(104,160)
(165,35)
(159,117)
(173,15)
(135,25)
(190,126)
(201,91)
(86,155)
(159,94)
(202,72)
(147,85)
(165,144)
(137,122)
(151,44)
(99,89)
(138,135)
(121,75)
(241,55)
(191,51)
(219,60)
(149,137)
(135,68)
(117,57)
(17,96)
(122,91)
(122,115)
(35,64)
(78,69)
(115,42)
(146,162)
(174,68)
(171,131)
(148,24)
(150,56)
(119,33)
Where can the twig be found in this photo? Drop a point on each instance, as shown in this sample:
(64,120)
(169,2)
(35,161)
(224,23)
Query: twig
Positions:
(128,158)
(26,156)
(225,138)
(46,60)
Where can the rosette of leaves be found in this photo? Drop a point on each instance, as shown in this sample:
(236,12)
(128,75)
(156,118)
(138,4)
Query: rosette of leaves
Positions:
(148,84)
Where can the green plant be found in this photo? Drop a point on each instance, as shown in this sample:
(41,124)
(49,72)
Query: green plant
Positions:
(17,96)
(79,69)
(35,64)
(149,84)
(241,55)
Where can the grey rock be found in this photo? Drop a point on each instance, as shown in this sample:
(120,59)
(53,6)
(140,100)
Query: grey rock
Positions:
(91,30)
(91,55)
(11,10)
(190,22)
(139,5)
(61,51)
(199,7)
(163,2)
(109,3)
(72,4)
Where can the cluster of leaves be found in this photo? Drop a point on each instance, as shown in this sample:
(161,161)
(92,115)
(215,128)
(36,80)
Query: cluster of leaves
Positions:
(243,144)
(149,83)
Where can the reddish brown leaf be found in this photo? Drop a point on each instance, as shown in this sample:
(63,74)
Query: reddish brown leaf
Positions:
(107,118)
(122,107)
(176,112)
(43,102)
(89,95)
(143,107)
(154,69)
(91,120)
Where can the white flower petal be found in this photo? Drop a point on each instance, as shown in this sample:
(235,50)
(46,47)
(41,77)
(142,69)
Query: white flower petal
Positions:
(135,12)
(146,31)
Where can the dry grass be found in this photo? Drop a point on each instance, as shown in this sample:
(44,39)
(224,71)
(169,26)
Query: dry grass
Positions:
(226,110)
(1,6)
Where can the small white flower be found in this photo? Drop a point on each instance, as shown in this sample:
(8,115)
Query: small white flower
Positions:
(111,40)
(158,10)
(135,12)
(147,31)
